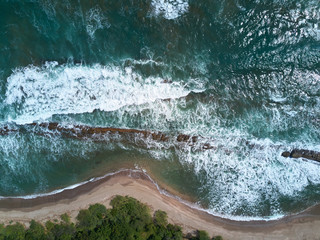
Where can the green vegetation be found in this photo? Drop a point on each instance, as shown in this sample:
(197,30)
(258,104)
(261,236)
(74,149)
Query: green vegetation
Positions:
(127,219)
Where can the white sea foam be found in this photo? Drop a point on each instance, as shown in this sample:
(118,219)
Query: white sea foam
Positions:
(170,9)
(243,172)
(95,19)
(40,92)
(243,178)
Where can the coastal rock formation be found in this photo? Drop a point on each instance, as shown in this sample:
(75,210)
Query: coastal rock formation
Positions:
(133,136)
(302,153)
(6,130)
(83,132)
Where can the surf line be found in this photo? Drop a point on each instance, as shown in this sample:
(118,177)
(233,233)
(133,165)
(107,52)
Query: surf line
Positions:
(83,132)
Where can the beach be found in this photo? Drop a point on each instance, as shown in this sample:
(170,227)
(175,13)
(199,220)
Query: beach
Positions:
(137,184)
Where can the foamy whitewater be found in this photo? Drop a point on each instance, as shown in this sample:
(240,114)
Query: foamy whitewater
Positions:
(43,92)
(242,76)
(170,9)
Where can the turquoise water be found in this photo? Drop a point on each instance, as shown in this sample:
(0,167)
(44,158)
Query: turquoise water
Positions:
(243,75)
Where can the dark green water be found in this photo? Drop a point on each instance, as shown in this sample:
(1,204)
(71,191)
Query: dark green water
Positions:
(244,74)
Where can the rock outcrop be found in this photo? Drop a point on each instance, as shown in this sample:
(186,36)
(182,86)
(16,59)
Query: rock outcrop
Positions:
(83,132)
(133,136)
(302,153)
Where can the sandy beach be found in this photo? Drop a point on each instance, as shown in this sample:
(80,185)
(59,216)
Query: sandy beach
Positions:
(138,185)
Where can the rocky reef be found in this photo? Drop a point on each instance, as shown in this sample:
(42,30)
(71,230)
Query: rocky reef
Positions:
(302,153)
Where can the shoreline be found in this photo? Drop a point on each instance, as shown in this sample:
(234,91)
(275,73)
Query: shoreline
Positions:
(138,184)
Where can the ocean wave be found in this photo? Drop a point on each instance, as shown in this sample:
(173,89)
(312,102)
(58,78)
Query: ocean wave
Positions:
(37,93)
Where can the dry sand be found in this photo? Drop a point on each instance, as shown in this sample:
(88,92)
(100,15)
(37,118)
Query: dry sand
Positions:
(138,185)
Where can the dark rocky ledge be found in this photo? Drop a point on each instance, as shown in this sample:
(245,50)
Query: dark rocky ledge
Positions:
(302,153)
(83,132)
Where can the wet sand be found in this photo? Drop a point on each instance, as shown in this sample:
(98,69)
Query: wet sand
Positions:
(137,184)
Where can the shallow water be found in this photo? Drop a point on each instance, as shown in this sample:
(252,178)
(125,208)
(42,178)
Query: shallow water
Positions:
(243,75)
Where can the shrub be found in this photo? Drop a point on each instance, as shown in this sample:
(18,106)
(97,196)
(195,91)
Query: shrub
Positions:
(35,232)
(160,218)
(85,220)
(63,231)
(14,232)
(98,210)
(203,235)
(65,218)
(217,238)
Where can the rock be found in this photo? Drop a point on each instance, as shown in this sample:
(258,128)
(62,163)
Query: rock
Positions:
(302,153)
(285,154)
(83,132)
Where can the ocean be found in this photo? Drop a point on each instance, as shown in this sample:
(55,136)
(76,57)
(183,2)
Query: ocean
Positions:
(242,76)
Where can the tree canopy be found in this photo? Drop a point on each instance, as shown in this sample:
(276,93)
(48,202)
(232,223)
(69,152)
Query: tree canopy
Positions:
(127,219)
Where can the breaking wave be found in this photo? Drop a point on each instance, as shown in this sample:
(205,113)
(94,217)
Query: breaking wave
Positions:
(37,93)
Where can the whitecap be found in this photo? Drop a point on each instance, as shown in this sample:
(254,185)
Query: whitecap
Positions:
(37,93)
(170,9)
